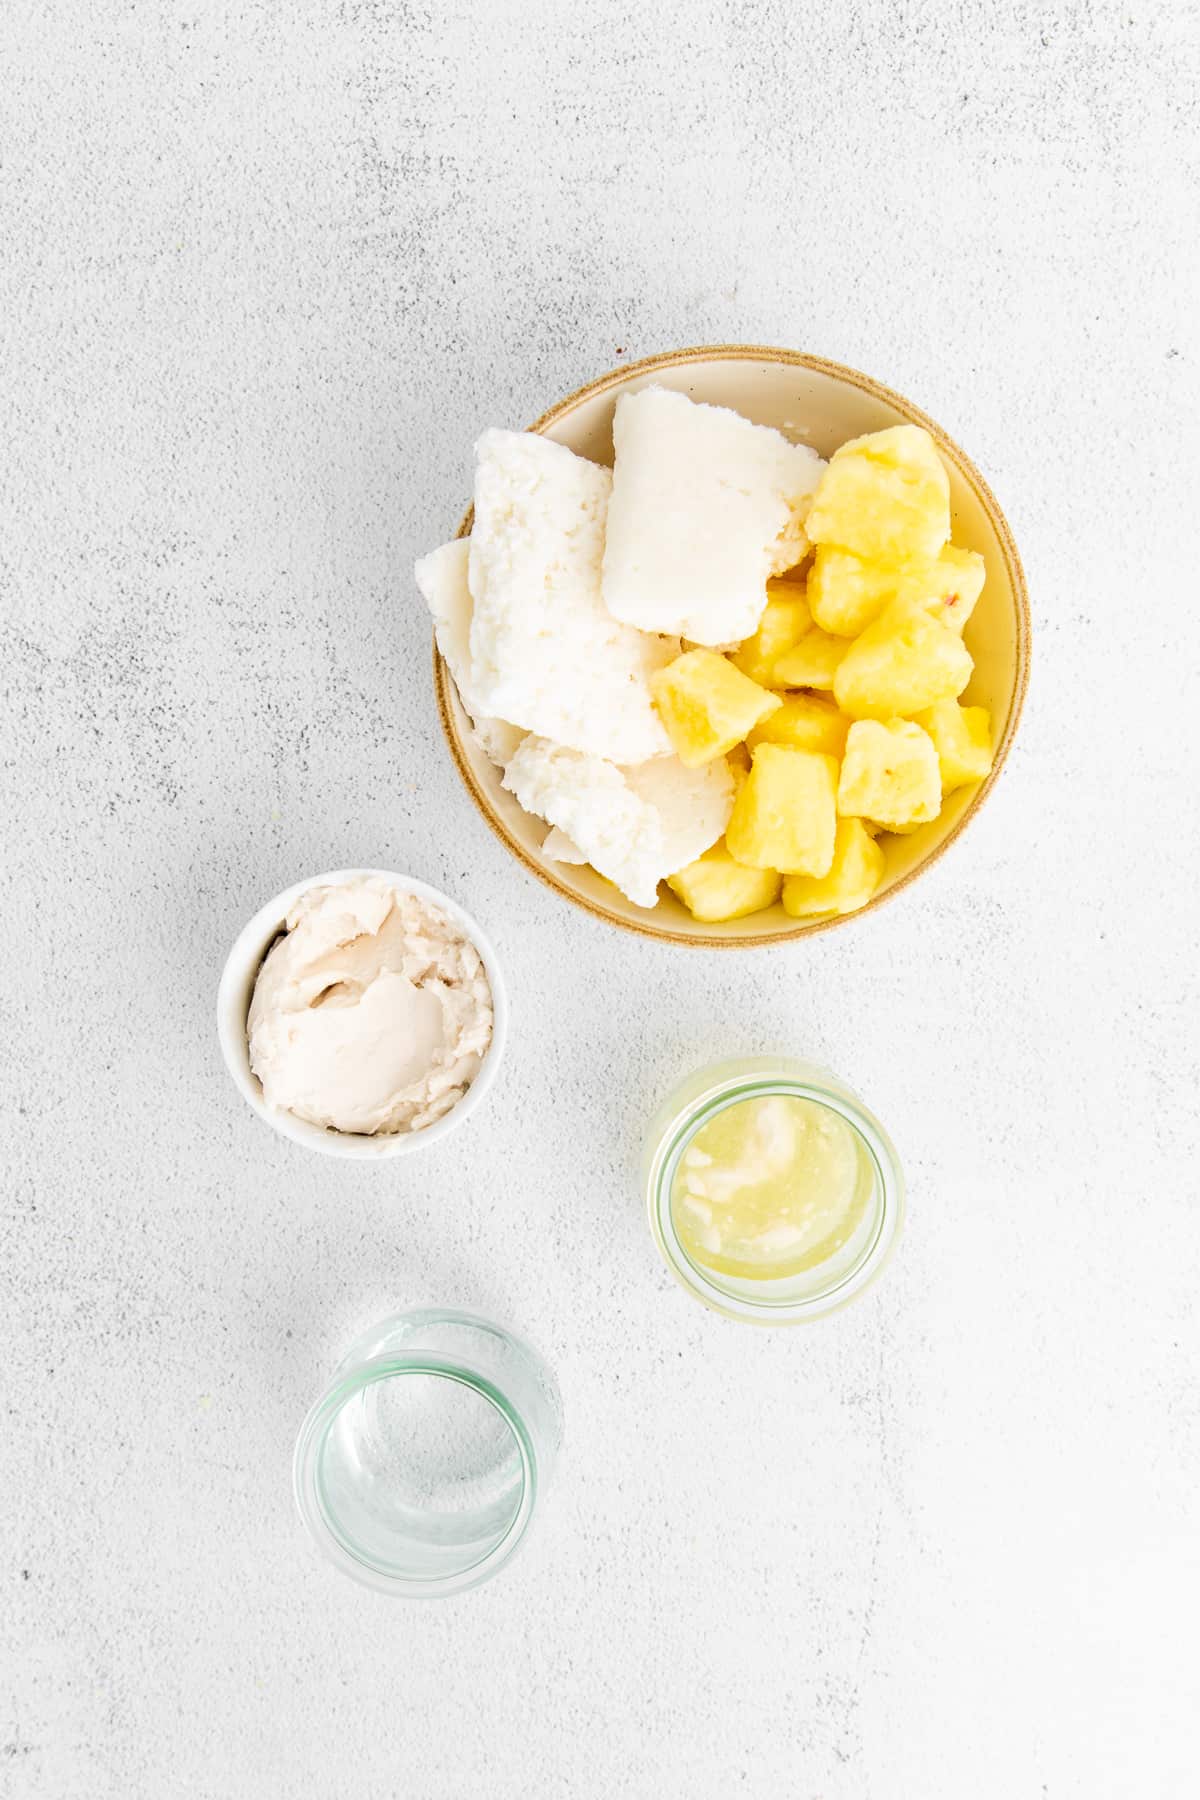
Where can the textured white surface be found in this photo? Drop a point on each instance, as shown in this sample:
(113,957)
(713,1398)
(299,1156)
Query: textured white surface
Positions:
(268,270)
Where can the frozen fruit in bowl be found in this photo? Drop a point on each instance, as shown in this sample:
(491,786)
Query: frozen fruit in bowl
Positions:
(853,876)
(707,705)
(716,887)
(785,817)
(724,665)
(885,495)
(889,774)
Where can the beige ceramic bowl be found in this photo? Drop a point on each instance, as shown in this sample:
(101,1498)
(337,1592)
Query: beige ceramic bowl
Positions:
(823,404)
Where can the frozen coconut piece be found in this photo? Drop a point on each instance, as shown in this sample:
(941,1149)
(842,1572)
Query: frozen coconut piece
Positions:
(442,579)
(706,507)
(557,847)
(544,651)
(693,805)
(634,825)
(590,800)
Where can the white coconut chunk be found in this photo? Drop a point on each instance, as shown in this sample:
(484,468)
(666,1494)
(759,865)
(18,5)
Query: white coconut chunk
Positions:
(442,579)
(693,804)
(635,826)
(557,847)
(545,652)
(705,508)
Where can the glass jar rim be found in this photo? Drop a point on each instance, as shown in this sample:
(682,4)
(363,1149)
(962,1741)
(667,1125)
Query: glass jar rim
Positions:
(321,1522)
(730,1091)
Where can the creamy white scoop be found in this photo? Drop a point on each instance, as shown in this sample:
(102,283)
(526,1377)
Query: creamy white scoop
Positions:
(371,1014)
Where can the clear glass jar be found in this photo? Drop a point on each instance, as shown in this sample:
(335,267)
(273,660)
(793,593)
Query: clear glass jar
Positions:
(418,1470)
(788,1299)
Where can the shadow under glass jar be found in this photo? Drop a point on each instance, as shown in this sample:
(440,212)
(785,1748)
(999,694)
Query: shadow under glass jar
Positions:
(873,1216)
(418,1470)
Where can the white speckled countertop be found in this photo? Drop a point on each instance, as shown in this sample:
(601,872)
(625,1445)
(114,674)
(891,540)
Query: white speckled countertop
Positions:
(267,271)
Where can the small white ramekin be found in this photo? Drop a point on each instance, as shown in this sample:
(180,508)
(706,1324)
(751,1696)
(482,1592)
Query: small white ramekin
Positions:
(233,1006)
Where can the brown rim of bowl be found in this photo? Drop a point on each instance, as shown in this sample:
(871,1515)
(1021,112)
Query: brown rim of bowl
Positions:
(444,685)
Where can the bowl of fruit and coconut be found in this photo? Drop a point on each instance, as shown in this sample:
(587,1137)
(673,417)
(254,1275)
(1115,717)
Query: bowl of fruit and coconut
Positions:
(731,645)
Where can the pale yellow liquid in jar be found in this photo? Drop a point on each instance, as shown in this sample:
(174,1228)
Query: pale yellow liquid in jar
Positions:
(770,1187)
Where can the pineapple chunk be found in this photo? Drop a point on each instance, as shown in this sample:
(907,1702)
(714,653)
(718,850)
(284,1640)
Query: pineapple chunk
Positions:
(784,621)
(947,588)
(785,817)
(806,721)
(855,873)
(885,496)
(813,663)
(901,664)
(707,705)
(715,887)
(962,737)
(890,774)
(847,593)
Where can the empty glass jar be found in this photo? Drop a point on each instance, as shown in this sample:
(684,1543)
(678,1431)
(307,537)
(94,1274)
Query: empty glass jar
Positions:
(418,1470)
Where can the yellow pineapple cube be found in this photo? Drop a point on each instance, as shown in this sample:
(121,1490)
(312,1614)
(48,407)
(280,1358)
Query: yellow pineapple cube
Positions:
(890,774)
(807,722)
(886,496)
(813,663)
(901,664)
(947,588)
(845,592)
(715,887)
(784,621)
(786,815)
(854,874)
(707,705)
(962,737)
